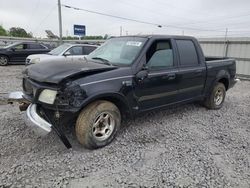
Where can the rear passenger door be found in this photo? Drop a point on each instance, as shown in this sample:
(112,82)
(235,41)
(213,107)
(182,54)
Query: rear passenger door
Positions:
(192,70)
(35,48)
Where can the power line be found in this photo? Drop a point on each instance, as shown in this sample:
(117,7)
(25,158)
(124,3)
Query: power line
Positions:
(138,21)
(157,13)
(219,19)
(109,15)
(51,10)
(33,11)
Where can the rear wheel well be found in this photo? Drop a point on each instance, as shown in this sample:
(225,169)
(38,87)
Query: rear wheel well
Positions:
(225,82)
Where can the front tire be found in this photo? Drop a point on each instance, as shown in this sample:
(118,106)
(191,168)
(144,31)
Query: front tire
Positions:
(97,124)
(4,60)
(216,98)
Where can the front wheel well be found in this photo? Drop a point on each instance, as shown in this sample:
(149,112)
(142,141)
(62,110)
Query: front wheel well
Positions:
(121,105)
(225,82)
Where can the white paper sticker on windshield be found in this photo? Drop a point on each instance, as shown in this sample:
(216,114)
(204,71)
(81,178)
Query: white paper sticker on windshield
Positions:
(133,43)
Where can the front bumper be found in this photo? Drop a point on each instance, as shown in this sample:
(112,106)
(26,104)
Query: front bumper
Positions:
(42,127)
(39,125)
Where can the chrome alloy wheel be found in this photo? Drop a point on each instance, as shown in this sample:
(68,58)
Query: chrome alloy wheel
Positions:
(218,97)
(103,126)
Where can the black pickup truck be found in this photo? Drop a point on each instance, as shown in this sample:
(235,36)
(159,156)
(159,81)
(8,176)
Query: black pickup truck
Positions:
(124,77)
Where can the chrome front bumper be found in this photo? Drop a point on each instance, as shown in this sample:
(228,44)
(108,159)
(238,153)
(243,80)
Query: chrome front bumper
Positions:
(39,125)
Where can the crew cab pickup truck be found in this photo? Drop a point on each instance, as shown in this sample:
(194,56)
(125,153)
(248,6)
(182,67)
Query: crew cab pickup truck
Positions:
(124,77)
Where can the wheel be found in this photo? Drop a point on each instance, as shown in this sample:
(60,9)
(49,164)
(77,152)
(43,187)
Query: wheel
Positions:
(97,124)
(4,60)
(216,98)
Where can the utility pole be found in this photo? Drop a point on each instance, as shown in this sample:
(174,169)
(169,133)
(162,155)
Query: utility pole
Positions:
(60,20)
(120,30)
(225,43)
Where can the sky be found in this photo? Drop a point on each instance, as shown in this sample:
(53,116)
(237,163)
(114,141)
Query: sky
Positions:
(200,18)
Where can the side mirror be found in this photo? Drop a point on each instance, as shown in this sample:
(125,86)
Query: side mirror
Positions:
(141,75)
(145,67)
(67,53)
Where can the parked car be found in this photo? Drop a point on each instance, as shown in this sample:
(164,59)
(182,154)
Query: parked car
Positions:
(16,53)
(124,77)
(62,53)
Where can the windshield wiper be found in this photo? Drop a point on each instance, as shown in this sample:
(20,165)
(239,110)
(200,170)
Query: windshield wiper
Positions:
(105,61)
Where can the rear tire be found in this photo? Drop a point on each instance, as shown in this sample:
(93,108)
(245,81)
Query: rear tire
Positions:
(4,60)
(216,98)
(97,124)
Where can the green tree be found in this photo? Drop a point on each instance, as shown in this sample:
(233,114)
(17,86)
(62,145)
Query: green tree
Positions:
(92,38)
(3,32)
(19,32)
(105,36)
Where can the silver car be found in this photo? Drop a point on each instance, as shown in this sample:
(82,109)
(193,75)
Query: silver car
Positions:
(62,52)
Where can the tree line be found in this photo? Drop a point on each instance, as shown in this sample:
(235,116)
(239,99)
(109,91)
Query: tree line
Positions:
(20,32)
(15,32)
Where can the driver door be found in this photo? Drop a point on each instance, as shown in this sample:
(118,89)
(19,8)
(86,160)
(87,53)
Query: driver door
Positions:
(19,53)
(159,88)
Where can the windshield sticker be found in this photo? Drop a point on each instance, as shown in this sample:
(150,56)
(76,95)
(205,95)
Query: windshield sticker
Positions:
(133,43)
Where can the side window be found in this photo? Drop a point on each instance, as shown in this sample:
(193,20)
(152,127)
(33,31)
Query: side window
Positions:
(187,53)
(77,50)
(88,49)
(160,55)
(20,47)
(35,46)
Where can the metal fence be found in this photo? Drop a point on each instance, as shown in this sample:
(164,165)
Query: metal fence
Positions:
(52,42)
(237,48)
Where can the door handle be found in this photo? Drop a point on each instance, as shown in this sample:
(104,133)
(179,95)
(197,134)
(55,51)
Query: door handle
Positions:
(171,76)
(198,72)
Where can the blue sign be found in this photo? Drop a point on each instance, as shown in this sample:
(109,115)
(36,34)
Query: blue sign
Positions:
(79,30)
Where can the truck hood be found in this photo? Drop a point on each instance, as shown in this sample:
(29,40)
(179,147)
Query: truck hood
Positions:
(55,72)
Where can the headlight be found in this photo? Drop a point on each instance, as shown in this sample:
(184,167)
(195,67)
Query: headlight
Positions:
(36,60)
(47,96)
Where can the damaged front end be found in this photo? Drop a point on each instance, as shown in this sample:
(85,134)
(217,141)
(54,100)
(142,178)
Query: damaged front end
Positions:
(70,95)
(48,107)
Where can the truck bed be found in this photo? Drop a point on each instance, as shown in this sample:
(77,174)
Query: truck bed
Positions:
(215,65)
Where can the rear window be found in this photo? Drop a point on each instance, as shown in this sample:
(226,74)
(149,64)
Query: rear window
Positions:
(35,46)
(88,49)
(187,53)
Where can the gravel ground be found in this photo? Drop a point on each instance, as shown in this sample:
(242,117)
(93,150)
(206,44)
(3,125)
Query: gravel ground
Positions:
(185,146)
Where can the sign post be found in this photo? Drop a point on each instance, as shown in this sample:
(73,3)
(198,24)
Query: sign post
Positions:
(79,30)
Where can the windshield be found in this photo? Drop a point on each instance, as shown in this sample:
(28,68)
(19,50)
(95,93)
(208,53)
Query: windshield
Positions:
(59,49)
(119,51)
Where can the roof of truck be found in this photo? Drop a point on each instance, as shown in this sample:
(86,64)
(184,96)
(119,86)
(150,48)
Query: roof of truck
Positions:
(161,36)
